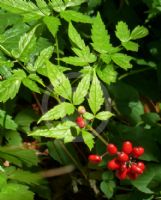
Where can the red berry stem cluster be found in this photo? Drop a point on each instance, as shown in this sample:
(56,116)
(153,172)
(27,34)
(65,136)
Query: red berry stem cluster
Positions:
(125,163)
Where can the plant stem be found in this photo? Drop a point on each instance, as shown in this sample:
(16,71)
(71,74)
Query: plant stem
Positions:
(73,159)
(133,72)
(57,49)
(98,135)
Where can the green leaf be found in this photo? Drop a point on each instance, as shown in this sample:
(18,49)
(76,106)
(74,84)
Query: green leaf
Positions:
(61,131)
(6,121)
(100,37)
(27,43)
(24,119)
(57,5)
(19,156)
(26,177)
(13,138)
(43,7)
(16,191)
(53,24)
(95,95)
(25,8)
(59,111)
(151,118)
(79,61)
(127,101)
(139,32)
(81,90)
(88,139)
(60,154)
(71,15)
(108,188)
(104,115)
(31,85)
(10,87)
(122,32)
(107,73)
(75,37)
(122,60)
(36,78)
(59,81)
(88,116)
(106,58)
(45,55)
(130,46)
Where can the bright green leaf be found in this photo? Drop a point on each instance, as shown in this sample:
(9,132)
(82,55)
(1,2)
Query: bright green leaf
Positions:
(43,6)
(75,37)
(53,24)
(130,46)
(88,116)
(31,85)
(61,131)
(95,95)
(122,60)
(104,115)
(82,90)
(58,112)
(122,31)
(27,44)
(88,139)
(71,15)
(107,73)
(100,36)
(59,81)
(44,56)
(25,8)
(139,32)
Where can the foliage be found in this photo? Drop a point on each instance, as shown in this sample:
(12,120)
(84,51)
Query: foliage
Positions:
(58,55)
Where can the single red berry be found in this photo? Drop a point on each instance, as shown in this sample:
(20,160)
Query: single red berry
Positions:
(93,158)
(136,169)
(127,147)
(123,157)
(112,149)
(123,166)
(121,174)
(81,122)
(113,164)
(137,151)
(141,165)
(132,175)
(81,109)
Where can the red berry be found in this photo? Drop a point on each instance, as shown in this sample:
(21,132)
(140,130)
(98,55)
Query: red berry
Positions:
(123,157)
(93,158)
(137,151)
(141,165)
(112,149)
(80,122)
(127,147)
(81,109)
(121,174)
(132,175)
(113,164)
(136,169)
(123,166)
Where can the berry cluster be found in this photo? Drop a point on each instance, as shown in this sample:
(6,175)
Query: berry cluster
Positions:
(125,163)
